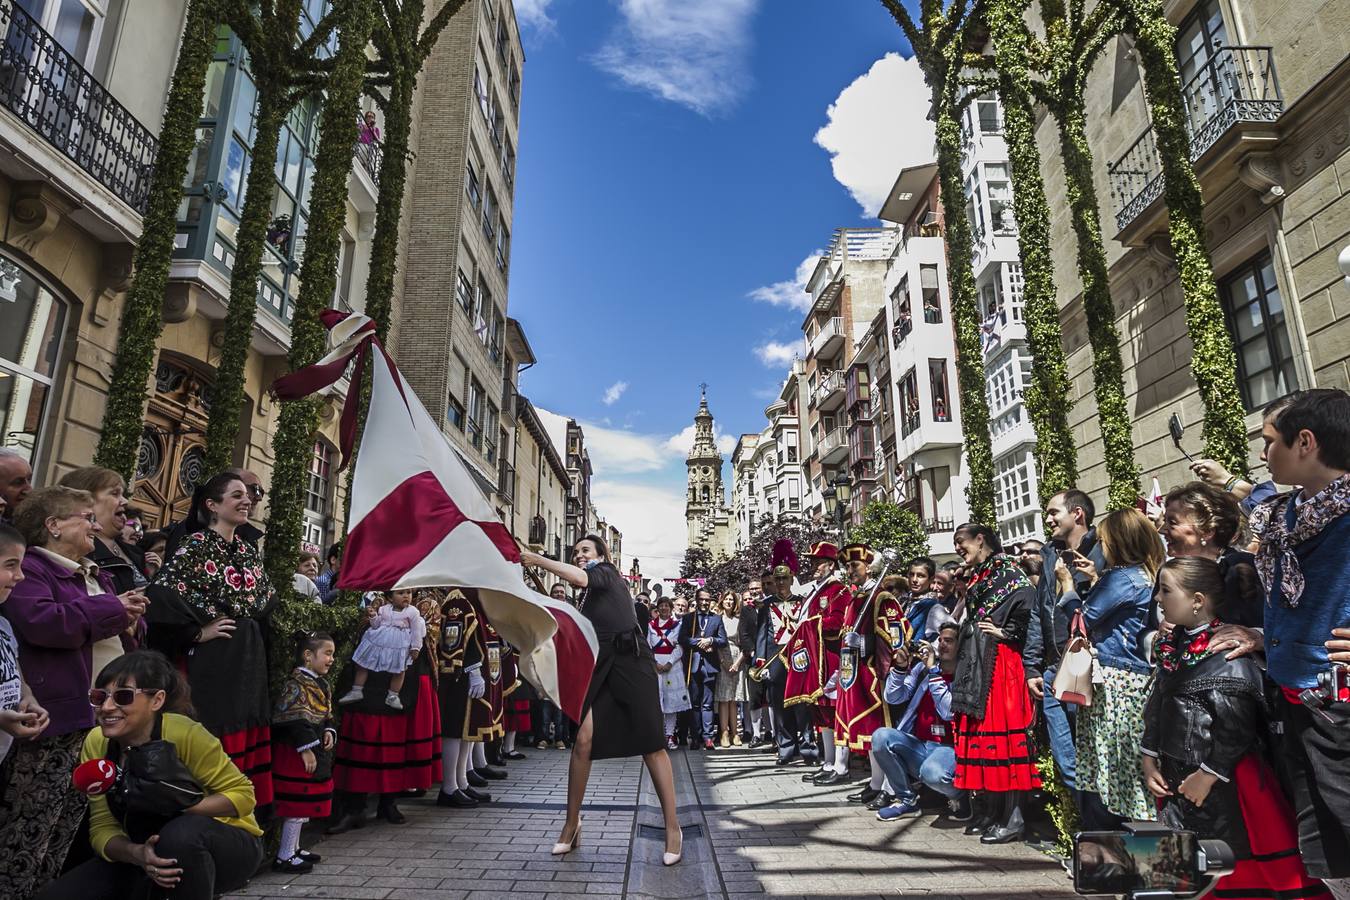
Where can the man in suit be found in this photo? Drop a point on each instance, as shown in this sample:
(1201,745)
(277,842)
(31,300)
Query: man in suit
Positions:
(702,635)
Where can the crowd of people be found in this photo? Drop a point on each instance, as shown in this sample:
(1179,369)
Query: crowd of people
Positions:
(1182,666)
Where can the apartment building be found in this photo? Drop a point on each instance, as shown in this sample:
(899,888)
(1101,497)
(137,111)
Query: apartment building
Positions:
(745,484)
(847,290)
(539,514)
(80,105)
(581,516)
(1266,87)
(996,261)
(454,339)
(916,405)
(767,468)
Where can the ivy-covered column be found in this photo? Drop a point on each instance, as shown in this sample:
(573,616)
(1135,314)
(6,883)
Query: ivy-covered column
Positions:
(1213,359)
(397,107)
(1048,395)
(318,276)
(1108,372)
(227,394)
(143,312)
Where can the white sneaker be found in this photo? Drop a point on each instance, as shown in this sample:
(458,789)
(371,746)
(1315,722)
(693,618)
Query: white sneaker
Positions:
(355,695)
(391,700)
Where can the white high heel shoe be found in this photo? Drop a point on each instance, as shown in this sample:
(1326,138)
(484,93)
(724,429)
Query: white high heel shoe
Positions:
(563,848)
(670,859)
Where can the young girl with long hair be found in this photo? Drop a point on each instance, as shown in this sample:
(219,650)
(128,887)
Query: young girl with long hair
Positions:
(303,735)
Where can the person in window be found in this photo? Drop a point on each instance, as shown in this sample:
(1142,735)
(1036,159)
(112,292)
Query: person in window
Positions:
(1206,521)
(368,132)
(210,847)
(1119,614)
(993,711)
(209,606)
(621,715)
(59,611)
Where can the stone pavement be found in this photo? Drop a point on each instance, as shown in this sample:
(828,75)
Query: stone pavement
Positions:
(751,831)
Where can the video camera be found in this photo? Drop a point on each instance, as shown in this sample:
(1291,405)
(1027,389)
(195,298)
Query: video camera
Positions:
(1333,686)
(1148,861)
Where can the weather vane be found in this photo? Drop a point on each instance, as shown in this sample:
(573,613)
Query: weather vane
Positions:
(703,387)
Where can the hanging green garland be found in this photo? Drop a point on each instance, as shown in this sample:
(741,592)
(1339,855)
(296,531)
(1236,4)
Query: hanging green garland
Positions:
(143,311)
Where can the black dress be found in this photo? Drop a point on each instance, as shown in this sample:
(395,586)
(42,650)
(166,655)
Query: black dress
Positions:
(624,698)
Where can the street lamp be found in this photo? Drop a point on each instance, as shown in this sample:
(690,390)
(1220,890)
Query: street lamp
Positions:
(836,495)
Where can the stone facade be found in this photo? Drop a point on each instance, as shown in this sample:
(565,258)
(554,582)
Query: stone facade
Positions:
(709,522)
(1273,158)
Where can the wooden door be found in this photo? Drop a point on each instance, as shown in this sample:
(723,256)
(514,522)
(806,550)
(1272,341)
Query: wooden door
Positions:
(171,461)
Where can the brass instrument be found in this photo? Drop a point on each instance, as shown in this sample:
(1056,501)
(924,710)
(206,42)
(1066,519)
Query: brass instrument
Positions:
(760,670)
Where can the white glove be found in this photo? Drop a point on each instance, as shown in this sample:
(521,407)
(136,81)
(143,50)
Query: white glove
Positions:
(853,640)
(477,686)
(832,683)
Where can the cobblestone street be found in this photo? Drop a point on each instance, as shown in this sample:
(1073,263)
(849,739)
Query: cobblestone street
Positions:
(750,830)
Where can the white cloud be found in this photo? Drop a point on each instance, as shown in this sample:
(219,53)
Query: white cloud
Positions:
(534,14)
(791,293)
(877,126)
(776,354)
(679,445)
(651,519)
(614,392)
(690,52)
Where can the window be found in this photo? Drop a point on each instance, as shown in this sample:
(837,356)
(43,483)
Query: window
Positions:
(498,126)
(988,115)
(975,208)
(513,85)
(32,320)
(503,40)
(1256,320)
(928,283)
(790,441)
(491,426)
(1005,386)
(503,245)
(509,166)
(482,314)
(480,90)
(1013,286)
(490,215)
(909,403)
(1012,484)
(476,402)
(937,382)
(318,491)
(471,187)
(456,413)
(1000,198)
(794,494)
(464,292)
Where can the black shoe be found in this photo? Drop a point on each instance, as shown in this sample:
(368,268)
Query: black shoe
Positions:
(489,773)
(787,760)
(810,777)
(514,756)
(1001,834)
(767,747)
(389,811)
(414,792)
(959,808)
(293,866)
(480,796)
(476,778)
(458,799)
(347,822)
(978,826)
(755,743)
(309,857)
(825,779)
(880,801)
(866,795)
(495,759)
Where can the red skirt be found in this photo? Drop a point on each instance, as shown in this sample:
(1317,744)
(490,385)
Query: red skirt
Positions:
(298,794)
(250,749)
(994,753)
(379,754)
(517,716)
(1275,868)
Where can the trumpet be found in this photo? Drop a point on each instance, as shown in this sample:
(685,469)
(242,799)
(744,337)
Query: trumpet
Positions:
(760,670)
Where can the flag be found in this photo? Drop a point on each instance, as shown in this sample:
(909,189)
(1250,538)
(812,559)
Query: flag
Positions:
(418,519)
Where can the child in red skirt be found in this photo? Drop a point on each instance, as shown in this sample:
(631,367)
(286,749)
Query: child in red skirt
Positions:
(302,760)
(1202,749)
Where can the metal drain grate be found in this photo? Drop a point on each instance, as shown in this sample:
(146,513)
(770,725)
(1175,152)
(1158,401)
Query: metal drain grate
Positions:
(659,834)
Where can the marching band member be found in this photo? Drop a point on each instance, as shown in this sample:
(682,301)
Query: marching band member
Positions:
(663,638)
(858,709)
(773,627)
(812,657)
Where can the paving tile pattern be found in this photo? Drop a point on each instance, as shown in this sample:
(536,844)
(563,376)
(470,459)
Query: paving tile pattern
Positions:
(752,831)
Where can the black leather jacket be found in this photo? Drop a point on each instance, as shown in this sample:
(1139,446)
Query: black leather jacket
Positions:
(1210,714)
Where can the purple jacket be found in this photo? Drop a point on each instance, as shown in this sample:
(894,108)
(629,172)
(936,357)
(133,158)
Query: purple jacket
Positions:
(57,624)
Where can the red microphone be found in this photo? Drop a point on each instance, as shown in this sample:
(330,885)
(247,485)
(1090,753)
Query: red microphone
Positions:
(95,777)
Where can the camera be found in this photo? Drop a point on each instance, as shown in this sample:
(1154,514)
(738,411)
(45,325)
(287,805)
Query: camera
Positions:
(1333,686)
(1148,861)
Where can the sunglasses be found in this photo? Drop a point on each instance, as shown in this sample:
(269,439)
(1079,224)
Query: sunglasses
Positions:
(120,696)
(255,491)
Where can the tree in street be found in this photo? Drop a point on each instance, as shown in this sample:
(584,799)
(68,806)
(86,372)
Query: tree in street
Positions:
(886,526)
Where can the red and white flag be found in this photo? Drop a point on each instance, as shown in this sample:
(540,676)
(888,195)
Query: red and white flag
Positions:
(419,520)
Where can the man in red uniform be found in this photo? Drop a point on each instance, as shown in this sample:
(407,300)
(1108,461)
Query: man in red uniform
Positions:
(858,708)
(812,656)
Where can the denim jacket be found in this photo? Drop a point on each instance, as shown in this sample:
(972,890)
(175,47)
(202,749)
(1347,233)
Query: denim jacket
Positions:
(1048,629)
(1119,615)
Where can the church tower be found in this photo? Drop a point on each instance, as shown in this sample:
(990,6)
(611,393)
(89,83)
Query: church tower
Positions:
(705,503)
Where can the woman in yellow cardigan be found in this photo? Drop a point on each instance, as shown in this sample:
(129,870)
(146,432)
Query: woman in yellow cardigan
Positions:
(210,847)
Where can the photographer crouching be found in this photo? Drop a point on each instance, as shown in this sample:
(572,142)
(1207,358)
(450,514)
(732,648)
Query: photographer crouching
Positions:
(920,746)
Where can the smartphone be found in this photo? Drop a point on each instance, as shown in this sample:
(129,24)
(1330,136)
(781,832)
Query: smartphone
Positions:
(1068,556)
(1116,862)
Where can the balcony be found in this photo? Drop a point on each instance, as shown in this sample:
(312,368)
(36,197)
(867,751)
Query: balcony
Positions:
(829,390)
(506,481)
(58,99)
(909,422)
(509,397)
(828,339)
(371,157)
(833,446)
(1230,101)
(901,330)
(538,533)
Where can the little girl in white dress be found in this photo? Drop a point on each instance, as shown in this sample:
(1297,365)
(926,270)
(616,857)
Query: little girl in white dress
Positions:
(390,644)
(663,638)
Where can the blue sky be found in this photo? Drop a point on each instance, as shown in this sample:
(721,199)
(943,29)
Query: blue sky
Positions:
(680,162)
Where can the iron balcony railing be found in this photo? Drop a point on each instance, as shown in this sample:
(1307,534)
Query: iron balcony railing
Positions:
(506,481)
(1236,84)
(538,531)
(55,96)
(371,157)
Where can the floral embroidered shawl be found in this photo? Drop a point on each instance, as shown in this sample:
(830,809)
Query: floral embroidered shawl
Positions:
(216,578)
